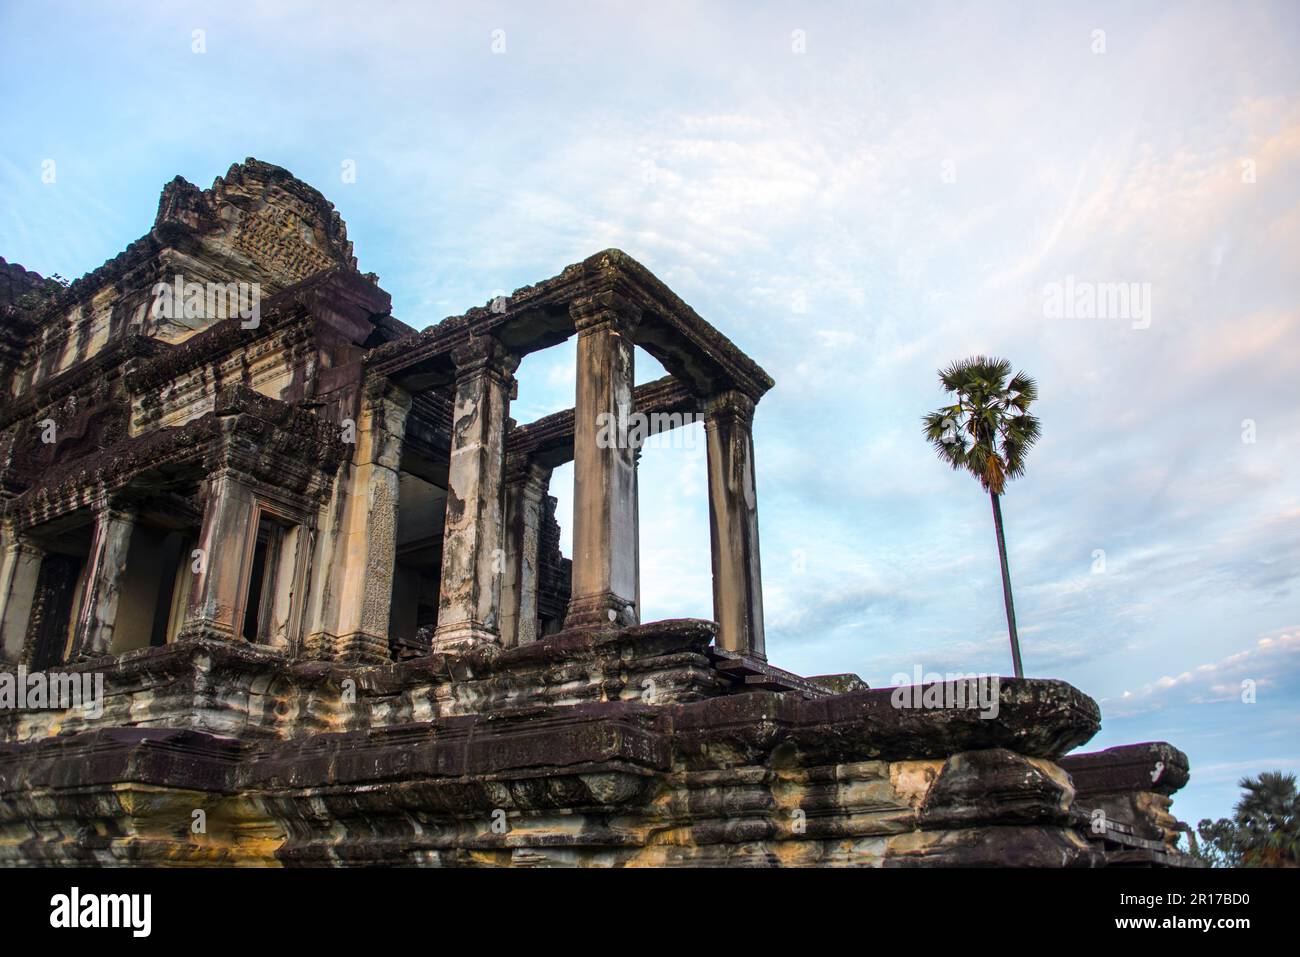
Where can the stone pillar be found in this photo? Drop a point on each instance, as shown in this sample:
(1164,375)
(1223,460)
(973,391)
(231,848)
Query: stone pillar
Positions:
(525,491)
(20,567)
(369,544)
(604,469)
(473,544)
(105,568)
(733,524)
(214,597)
(636,525)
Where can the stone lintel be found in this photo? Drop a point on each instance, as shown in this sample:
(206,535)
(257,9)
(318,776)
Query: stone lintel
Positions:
(666,403)
(605,308)
(538,316)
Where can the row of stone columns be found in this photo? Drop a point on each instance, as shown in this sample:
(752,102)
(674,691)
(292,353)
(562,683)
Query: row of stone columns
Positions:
(213,594)
(96,616)
(488,588)
(490,541)
(489,571)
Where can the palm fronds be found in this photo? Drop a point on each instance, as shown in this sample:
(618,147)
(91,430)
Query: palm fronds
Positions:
(988,429)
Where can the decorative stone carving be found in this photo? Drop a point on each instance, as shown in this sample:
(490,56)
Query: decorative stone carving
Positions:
(473,544)
(365,579)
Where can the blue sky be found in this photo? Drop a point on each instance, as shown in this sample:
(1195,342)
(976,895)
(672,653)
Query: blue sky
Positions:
(854,216)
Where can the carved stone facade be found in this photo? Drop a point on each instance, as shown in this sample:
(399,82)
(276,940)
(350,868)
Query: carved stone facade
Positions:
(315,565)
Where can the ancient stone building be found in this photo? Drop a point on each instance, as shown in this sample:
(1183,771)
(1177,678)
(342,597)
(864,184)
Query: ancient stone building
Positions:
(314,567)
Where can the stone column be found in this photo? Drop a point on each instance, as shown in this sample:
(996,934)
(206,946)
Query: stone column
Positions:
(214,596)
(525,491)
(604,469)
(105,568)
(368,550)
(473,544)
(636,525)
(733,524)
(20,567)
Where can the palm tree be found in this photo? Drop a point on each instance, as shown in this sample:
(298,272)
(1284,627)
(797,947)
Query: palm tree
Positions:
(1264,830)
(987,431)
(1268,820)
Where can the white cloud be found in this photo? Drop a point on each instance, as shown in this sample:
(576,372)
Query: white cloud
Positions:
(1270,661)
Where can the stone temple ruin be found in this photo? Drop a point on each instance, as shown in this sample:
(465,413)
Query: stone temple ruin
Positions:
(313,569)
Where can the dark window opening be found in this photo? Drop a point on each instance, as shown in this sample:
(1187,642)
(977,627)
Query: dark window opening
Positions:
(262,580)
(52,611)
(256,583)
(174,546)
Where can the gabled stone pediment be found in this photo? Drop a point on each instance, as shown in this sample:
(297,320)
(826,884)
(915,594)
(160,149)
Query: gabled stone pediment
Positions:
(257,226)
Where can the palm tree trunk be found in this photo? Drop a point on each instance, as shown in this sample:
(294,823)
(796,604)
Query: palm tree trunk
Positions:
(1006,586)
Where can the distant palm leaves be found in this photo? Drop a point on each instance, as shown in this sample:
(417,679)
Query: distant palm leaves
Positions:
(1264,830)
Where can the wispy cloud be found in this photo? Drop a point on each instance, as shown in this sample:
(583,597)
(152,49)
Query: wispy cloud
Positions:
(1271,663)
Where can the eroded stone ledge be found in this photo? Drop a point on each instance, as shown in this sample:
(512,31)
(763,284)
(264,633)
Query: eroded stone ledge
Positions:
(757,778)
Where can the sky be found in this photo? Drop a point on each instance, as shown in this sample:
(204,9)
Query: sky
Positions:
(856,195)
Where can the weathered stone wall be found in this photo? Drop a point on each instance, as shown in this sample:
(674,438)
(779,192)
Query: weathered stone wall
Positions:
(543,755)
(1125,795)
